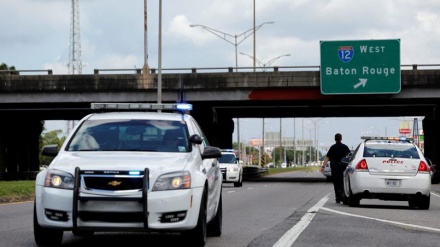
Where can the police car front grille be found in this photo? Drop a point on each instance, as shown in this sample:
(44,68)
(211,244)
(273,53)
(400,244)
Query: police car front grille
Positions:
(115,217)
(113,183)
(223,171)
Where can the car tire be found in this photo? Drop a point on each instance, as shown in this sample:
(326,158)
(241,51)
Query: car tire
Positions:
(82,233)
(197,236)
(423,202)
(215,226)
(412,203)
(46,236)
(353,200)
(240,182)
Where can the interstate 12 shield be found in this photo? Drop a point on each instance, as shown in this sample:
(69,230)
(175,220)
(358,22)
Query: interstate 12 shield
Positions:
(345,53)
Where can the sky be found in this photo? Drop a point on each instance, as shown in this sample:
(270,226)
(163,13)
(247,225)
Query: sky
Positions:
(35,36)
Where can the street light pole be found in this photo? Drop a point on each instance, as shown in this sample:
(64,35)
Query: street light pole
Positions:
(264,65)
(145,35)
(255,38)
(294,142)
(281,142)
(315,123)
(159,72)
(262,146)
(237,39)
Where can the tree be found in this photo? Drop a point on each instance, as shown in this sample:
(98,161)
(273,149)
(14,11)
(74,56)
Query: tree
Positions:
(12,70)
(51,137)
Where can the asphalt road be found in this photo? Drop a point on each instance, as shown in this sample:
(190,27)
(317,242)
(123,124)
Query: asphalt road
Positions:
(277,213)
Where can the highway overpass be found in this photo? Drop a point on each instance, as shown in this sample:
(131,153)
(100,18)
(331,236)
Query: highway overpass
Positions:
(218,96)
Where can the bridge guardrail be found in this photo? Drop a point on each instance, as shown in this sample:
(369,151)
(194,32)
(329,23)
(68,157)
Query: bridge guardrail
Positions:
(17,72)
(254,171)
(217,69)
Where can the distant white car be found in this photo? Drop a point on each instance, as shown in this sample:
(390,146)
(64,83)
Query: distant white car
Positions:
(328,172)
(231,168)
(387,169)
(284,165)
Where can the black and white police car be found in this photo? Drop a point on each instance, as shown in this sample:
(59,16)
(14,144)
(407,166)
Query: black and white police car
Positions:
(387,168)
(131,169)
(231,168)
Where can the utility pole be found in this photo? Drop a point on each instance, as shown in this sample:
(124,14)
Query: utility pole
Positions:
(416,131)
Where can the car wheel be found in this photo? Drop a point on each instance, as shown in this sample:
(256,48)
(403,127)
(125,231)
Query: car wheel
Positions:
(46,236)
(82,233)
(353,200)
(240,182)
(197,236)
(412,203)
(423,202)
(215,226)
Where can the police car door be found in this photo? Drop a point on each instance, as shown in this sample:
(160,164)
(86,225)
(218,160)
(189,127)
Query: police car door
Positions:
(213,175)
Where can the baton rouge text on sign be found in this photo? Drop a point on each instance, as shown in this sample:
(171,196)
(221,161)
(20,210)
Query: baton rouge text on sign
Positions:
(365,69)
(360,67)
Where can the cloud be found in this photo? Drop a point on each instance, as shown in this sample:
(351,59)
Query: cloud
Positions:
(114,30)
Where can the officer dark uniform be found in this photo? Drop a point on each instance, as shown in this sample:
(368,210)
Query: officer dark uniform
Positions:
(335,154)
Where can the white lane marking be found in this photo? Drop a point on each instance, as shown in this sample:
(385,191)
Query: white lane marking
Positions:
(382,220)
(250,188)
(290,236)
(232,191)
(434,194)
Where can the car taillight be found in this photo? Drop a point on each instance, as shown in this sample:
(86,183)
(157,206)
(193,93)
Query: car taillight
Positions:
(362,166)
(423,167)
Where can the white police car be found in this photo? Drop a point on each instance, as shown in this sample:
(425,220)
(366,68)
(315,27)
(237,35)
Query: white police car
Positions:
(130,171)
(387,168)
(231,168)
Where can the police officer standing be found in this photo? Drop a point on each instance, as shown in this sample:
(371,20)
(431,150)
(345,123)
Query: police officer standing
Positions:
(335,154)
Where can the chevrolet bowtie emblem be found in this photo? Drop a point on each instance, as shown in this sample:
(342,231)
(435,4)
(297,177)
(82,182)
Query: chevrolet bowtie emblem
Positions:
(114,183)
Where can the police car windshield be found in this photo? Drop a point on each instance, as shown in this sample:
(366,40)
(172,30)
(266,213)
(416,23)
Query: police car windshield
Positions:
(228,158)
(391,151)
(130,135)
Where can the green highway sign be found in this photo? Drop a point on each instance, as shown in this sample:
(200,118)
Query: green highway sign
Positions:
(360,67)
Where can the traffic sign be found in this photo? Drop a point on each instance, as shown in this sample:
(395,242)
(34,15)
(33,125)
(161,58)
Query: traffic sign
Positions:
(360,67)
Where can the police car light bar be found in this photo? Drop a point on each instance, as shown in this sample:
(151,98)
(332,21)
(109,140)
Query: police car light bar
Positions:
(141,106)
(401,138)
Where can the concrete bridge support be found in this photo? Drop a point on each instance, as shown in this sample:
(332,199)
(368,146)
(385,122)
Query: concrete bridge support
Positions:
(431,130)
(217,127)
(19,148)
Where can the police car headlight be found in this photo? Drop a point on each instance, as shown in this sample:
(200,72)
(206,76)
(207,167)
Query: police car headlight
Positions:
(173,181)
(233,169)
(59,179)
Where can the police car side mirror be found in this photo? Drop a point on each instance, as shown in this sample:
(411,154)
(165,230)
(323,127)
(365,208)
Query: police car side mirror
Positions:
(211,153)
(50,150)
(196,139)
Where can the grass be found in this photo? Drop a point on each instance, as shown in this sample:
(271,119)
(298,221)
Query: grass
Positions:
(291,169)
(13,191)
